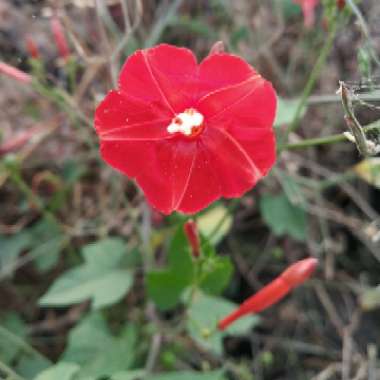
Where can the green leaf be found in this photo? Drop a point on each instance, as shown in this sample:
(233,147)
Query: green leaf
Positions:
(189,375)
(291,188)
(286,111)
(166,286)
(204,314)
(28,367)
(10,248)
(12,326)
(43,242)
(61,371)
(215,223)
(99,278)
(15,351)
(369,170)
(48,241)
(181,375)
(283,217)
(99,353)
(129,375)
(289,8)
(216,274)
(216,270)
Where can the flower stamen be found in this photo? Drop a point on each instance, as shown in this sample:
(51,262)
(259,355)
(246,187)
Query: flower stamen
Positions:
(189,123)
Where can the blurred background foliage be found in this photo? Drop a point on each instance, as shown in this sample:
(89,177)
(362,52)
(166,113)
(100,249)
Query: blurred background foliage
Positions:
(95,285)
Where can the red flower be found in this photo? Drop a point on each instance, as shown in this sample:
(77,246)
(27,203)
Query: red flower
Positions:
(189,134)
(292,277)
(308,9)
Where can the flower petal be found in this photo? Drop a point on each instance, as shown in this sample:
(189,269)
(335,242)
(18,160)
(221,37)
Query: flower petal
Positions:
(252,103)
(164,172)
(221,70)
(164,75)
(120,116)
(203,186)
(234,168)
(258,143)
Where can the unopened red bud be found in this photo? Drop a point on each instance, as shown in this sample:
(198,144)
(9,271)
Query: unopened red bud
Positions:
(32,47)
(59,37)
(15,73)
(299,272)
(191,232)
(292,277)
(340,4)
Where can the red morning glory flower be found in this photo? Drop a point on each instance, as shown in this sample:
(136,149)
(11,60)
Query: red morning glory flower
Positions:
(188,133)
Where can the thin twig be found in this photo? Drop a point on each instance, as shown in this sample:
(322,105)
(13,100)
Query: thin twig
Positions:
(312,79)
(154,352)
(164,16)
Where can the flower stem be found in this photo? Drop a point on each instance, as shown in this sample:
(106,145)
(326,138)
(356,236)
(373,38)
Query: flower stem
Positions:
(311,81)
(15,175)
(332,139)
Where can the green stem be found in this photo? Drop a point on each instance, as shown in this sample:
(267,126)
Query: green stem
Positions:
(11,375)
(15,175)
(61,98)
(314,142)
(71,72)
(344,177)
(7,335)
(332,139)
(311,81)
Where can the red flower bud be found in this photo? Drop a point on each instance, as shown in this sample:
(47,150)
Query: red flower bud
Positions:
(191,232)
(59,37)
(32,47)
(292,277)
(340,4)
(15,73)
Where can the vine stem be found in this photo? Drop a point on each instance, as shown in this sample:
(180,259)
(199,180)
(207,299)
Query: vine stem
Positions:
(311,82)
(332,139)
(31,196)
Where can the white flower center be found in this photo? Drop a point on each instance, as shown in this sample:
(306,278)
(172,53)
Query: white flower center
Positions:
(186,122)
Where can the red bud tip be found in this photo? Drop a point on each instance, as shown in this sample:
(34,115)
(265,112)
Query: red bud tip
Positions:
(191,232)
(15,73)
(32,47)
(59,37)
(299,272)
(340,4)
(225,322)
